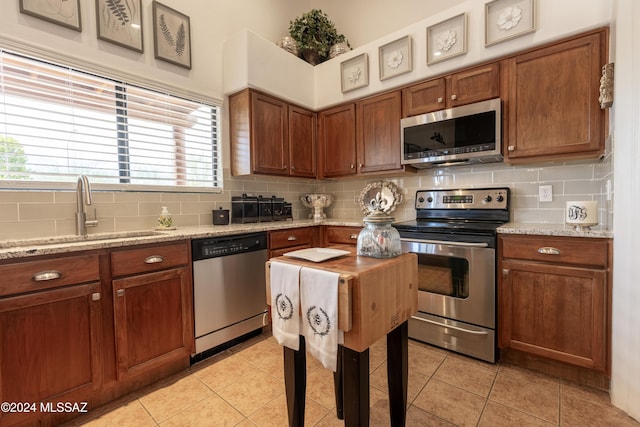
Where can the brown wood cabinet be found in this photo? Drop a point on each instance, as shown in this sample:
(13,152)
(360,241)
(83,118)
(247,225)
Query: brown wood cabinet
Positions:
(465,87)
(551,107)
(378,133)
(337,141)
(152,296)
(340,235)
(50,335)
(361,137)
(291,239)
(554,298)
(270,136)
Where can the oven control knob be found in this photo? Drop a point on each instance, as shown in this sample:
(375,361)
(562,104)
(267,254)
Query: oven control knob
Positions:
(421,199)
(487,199)
(499,198)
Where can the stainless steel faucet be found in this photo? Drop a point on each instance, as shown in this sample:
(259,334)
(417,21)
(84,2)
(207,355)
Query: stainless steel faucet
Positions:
(83,196)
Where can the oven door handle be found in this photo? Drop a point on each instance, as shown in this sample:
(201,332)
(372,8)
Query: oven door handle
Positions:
(444,325)
(444,242)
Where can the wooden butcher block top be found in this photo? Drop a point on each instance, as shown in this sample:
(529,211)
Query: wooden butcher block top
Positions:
(374,296)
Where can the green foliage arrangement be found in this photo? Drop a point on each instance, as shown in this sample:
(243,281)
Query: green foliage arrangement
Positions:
(314,34)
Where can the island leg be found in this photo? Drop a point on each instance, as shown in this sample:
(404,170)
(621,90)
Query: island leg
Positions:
(338,385)
(397,373)
(295,382)
(355,374)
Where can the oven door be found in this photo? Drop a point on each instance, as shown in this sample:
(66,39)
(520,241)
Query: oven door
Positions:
(456,280)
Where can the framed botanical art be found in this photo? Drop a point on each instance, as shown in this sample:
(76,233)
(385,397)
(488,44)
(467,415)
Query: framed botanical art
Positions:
(61,12)
(120,22)
(506,19)
(395,58)
(171,35)
(447,39)
(354,72)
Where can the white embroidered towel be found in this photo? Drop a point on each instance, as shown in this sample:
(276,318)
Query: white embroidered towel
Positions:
(319,302)
(285,303)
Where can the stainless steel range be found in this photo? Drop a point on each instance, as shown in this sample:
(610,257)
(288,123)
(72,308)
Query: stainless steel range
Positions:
(454,235)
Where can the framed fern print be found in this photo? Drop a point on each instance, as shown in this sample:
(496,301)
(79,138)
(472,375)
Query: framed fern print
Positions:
(120,22)
(171,35)
(61,12)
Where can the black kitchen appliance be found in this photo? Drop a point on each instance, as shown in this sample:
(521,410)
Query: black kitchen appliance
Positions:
(265,209)
(278,208)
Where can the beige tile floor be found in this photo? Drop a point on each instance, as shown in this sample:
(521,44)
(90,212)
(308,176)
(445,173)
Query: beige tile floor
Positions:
(244,386)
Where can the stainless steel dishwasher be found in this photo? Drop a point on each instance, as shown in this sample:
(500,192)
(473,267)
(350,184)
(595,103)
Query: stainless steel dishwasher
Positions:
(229,294)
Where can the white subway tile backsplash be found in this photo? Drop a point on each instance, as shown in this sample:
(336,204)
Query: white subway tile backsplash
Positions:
(25,214)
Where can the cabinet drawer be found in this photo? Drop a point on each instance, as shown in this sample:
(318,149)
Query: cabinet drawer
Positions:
(564,250)
(134,261)
(291,237)
(338,235)
(51,273)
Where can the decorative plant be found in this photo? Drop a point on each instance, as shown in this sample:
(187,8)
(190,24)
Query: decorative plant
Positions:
(314,33)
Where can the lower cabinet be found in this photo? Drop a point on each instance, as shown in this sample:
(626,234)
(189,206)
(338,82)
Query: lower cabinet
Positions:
(340,235)
(291,239)
(152,311)
(151,320)
(554,299)
(51,341)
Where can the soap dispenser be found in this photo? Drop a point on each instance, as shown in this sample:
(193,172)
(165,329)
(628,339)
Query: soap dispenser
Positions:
(164,220)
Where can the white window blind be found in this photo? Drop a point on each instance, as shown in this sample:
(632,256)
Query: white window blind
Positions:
(57,123)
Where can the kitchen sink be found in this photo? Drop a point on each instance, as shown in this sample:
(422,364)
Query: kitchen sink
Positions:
(57,240)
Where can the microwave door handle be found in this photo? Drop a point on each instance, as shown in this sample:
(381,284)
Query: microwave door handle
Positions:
(444,242)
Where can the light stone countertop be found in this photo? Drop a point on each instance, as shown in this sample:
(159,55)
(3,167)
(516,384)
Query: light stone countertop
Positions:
(13,249)
(553,230)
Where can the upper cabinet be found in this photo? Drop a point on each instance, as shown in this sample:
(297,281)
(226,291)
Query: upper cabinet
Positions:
(551,108)
(361,137)
(337,141)
(270,136)
(468,86)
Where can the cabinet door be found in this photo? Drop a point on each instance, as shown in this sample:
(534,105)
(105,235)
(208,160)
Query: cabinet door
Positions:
(555,312)
(474,85)
(424,97)
(50,347)
(552,101)
(269,133)
(337,141)
(378,133)
(302,142)
(153,320)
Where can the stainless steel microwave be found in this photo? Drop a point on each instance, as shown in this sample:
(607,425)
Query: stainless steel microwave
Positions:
(460,135)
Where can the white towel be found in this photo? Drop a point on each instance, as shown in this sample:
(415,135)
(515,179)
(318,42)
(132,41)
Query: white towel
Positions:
(319,302)
(285,303)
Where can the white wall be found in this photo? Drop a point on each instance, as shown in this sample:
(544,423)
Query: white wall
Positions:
(625,375)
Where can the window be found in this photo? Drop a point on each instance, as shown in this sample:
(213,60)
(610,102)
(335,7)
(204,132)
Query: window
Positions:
(57,123)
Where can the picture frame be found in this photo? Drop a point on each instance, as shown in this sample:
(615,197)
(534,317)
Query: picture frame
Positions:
(507,19)
(395,58)
(120,23)
(171,35)
(65,13)
(354,72)
(447,39)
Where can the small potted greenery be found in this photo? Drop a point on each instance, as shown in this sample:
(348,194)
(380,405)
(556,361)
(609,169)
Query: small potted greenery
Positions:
(314,34)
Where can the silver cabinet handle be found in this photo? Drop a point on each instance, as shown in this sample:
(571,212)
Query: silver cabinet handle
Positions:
(120,292)
(353,236)
(352,166)
(454,97)
(292,238)
(440,100)
(361,165)
(548,250)
(43,276)
(95,296)
(511,148)
(153,259)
